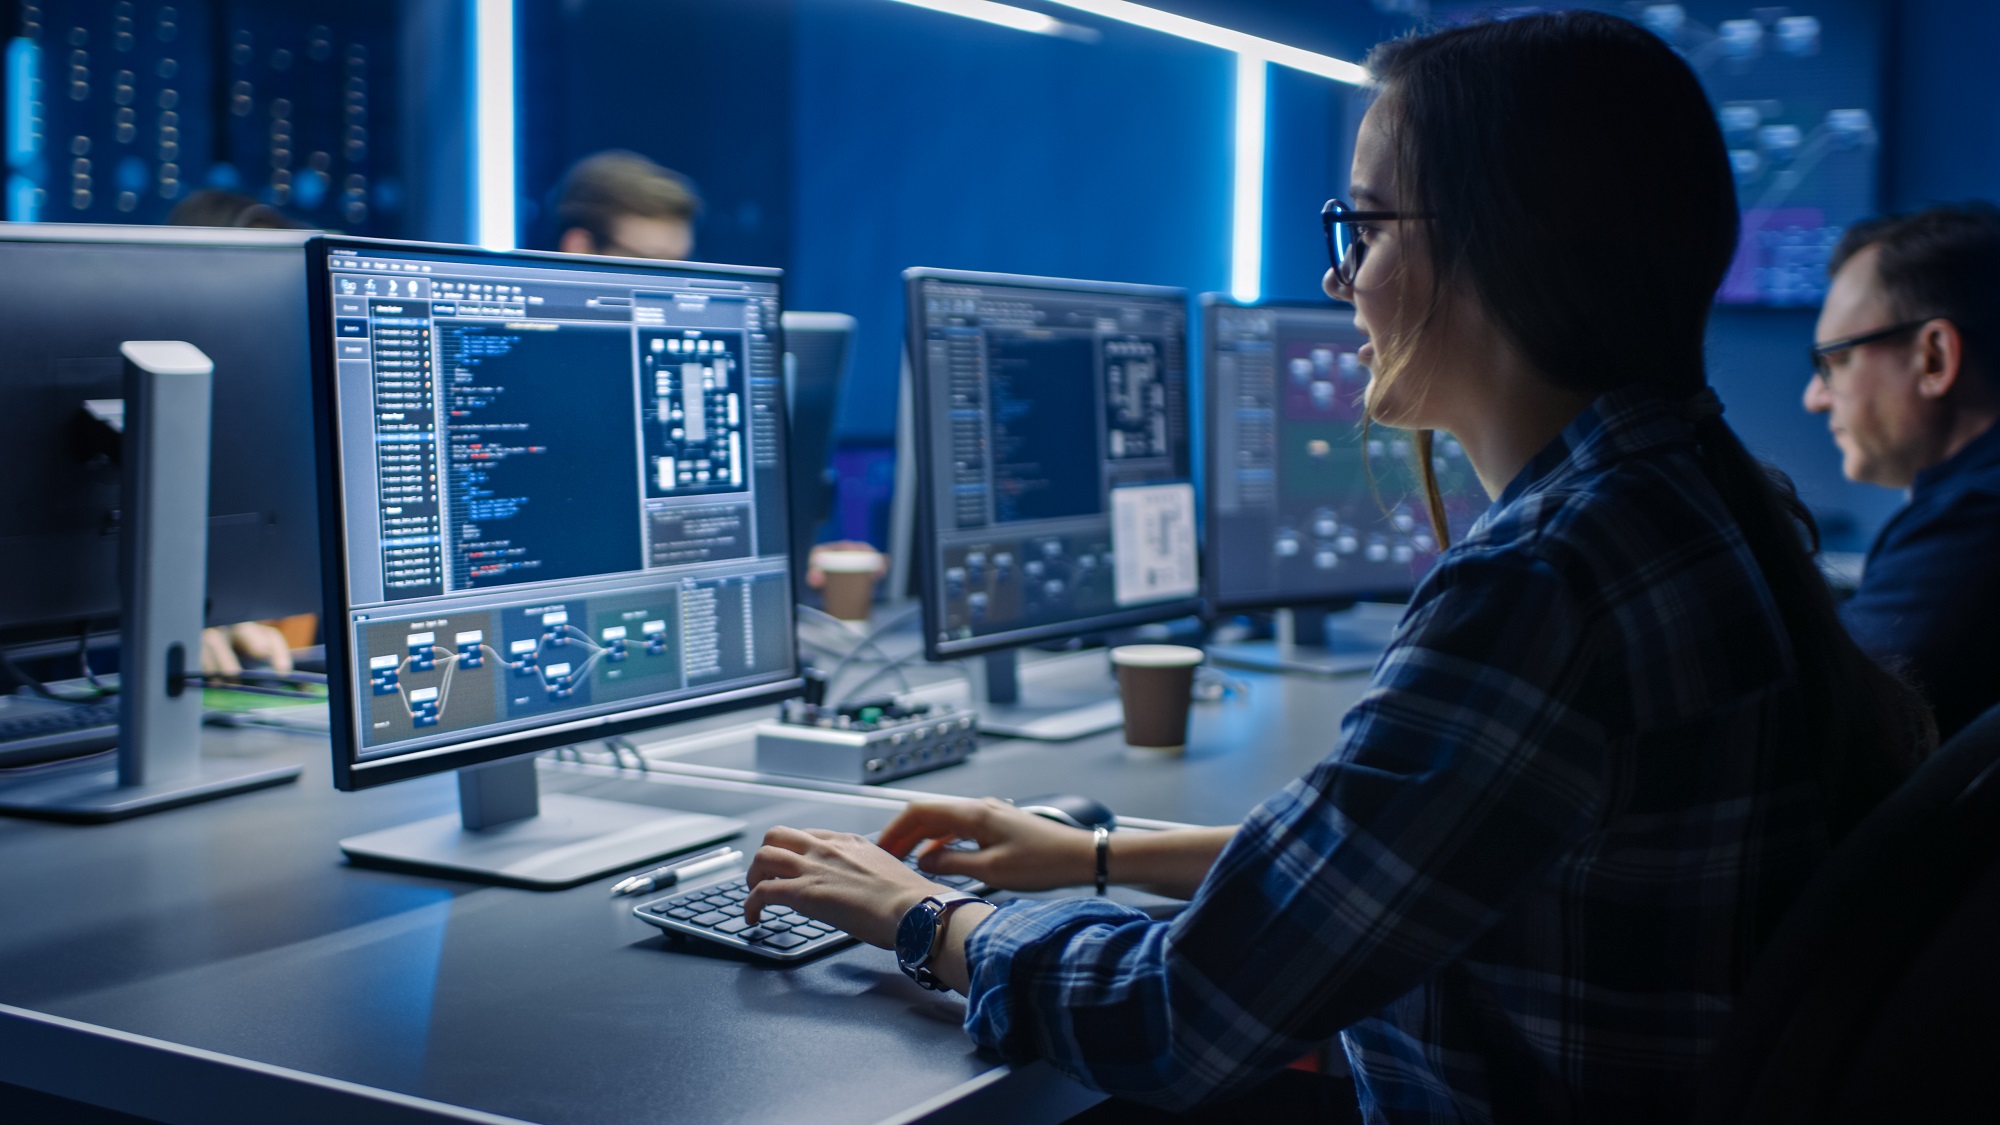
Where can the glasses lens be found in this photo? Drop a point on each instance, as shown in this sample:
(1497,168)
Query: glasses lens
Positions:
(1340,243)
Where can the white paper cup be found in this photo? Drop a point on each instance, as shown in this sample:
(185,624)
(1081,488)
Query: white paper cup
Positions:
(849,592)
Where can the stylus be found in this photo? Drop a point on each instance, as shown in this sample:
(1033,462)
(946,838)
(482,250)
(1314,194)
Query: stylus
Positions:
(674,873)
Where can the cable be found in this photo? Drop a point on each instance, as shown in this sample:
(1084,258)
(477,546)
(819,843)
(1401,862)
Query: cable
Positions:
(222,684)
(83,658)
(868,640)
(895,666)
(267,675)
(620,746)
(38,687)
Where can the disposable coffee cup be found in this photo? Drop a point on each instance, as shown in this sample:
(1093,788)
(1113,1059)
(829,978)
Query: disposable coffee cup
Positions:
(1156,683)
(850,581)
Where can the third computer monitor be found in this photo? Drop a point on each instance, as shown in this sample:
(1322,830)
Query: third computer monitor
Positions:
(1055,479)
(1303,507)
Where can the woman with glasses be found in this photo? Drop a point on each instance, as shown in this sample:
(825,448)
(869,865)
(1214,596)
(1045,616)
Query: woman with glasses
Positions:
(1618,727)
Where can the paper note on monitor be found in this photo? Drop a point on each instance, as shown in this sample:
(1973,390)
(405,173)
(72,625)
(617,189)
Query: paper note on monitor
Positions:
(1152,539)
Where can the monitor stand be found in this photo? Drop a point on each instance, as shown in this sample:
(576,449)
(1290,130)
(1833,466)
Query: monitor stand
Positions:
(1313,642)
(507,831)
(163,563)
(1054,714)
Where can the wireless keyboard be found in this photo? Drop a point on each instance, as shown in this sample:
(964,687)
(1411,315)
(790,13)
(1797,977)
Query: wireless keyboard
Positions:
(34,730)
(713,912)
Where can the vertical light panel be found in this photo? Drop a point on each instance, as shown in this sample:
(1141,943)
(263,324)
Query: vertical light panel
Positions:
(493,110)
(23,62)
(1246,258)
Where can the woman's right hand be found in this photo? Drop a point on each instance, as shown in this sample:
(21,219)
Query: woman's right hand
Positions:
(1018,851)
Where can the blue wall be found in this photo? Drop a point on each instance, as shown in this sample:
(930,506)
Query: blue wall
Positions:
(926,139)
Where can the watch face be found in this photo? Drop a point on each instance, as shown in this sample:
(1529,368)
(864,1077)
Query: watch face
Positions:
(913,934)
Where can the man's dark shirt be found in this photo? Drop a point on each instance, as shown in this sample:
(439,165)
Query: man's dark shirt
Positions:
(1930,593)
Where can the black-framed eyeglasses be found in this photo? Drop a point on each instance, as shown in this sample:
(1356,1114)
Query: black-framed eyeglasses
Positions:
(1822,354)
(1345,246)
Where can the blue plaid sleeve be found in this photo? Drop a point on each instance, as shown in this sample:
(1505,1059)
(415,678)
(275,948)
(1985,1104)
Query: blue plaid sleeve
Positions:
(1458,781)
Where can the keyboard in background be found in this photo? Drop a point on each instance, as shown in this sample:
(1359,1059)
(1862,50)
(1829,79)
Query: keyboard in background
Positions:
(714,912)
(35,730)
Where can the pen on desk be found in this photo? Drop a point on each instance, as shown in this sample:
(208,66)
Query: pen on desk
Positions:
(674,872)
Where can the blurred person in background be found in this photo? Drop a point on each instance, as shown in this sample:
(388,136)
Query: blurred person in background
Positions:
(621,204)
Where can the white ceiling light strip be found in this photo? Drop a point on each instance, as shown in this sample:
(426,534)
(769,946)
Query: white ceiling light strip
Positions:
(1246,242)
(1005,15)
(1297,58)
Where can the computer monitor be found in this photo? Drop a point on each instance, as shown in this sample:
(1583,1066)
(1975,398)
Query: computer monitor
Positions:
(69,296)
(1055,494)
(554,511)
(818,348)
(1303,511)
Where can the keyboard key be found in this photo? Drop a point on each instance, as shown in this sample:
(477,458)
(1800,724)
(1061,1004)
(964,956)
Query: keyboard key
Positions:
(809,932)
(785,941)
(756,933)
(778,911)
(711,918)
(734,909)
(683,912)
(733,926)
(776,925)
(738,894)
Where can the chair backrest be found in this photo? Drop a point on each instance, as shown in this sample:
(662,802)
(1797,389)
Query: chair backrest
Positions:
(1886,968)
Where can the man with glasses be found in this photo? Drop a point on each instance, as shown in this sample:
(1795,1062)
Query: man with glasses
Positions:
(1907,369)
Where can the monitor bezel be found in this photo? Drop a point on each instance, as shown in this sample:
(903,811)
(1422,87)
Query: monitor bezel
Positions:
(931,582)
(350,773)
(1217,604)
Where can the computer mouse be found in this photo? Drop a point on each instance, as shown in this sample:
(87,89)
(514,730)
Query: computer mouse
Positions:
(1069,808)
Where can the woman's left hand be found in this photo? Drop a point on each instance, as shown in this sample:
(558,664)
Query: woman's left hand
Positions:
(835,877)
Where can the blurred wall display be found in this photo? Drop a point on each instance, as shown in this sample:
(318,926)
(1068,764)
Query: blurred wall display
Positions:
(116,110)
(1798,91)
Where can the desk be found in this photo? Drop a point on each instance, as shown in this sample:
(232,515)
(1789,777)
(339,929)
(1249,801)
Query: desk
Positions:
(226,948)
(1240,751)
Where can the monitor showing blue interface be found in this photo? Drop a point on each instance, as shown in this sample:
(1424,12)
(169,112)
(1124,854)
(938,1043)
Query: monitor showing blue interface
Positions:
(1303,508)
(1055,482)
(557,498)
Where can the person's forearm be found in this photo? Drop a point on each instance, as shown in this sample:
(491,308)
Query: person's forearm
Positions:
(1167,863)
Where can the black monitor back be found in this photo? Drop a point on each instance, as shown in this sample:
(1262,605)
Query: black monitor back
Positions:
(818,348)
(69,295)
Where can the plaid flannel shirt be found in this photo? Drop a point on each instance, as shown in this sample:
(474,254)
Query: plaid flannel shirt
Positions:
(1531,876)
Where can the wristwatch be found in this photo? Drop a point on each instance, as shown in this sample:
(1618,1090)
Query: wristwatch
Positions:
(918,934)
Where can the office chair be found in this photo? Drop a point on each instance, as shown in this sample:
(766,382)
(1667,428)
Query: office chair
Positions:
(1878,998)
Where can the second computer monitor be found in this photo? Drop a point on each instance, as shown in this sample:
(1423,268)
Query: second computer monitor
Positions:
(1303,507)
(1055,486)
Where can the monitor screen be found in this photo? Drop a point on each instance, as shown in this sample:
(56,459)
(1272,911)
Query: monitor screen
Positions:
(556,499)
(69,296)
(1304,509)
(1055,489)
